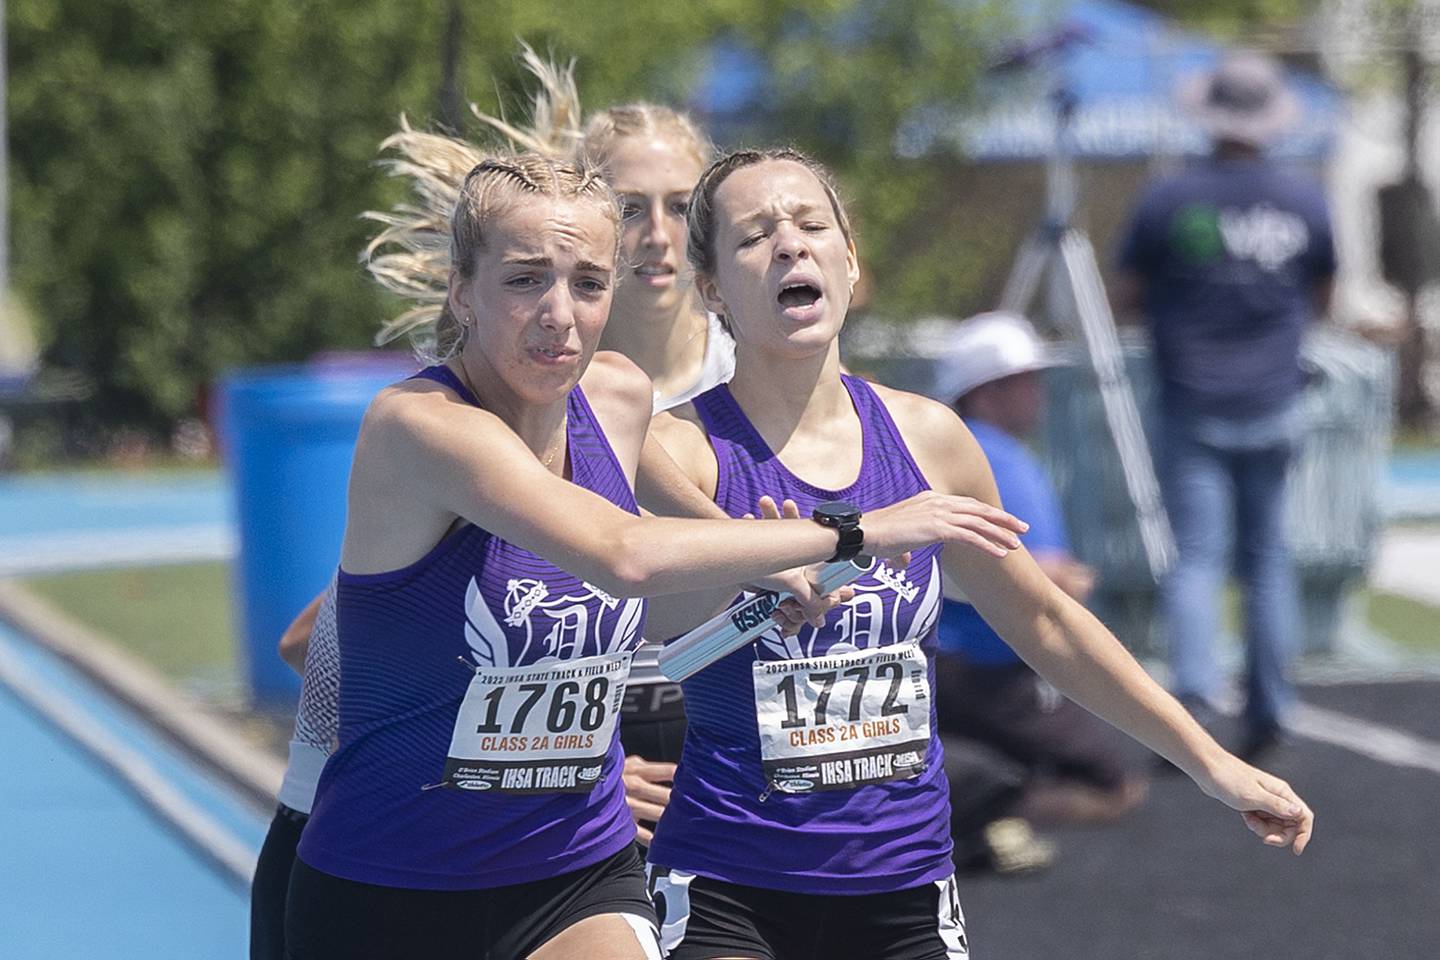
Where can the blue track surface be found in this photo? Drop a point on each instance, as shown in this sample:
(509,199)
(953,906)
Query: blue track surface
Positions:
(1411,489)
(55,522)
(89,868)
(59,503)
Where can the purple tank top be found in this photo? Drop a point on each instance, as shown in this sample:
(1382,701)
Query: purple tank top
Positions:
(726,818)
(402,635)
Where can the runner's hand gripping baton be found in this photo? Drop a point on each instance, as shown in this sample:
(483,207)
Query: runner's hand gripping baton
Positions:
(730,630)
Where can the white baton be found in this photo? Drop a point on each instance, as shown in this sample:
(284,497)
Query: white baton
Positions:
(727,632)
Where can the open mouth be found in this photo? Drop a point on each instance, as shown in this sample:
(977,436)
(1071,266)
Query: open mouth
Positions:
(654,270)
(802,294)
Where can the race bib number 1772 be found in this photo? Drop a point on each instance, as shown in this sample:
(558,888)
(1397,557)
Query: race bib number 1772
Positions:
(839,721)
(545,728)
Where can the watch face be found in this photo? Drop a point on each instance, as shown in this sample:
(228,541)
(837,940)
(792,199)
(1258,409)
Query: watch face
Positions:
(835,513)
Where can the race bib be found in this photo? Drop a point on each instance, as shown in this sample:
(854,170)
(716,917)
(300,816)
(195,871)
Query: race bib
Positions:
(545,728)
(837,722)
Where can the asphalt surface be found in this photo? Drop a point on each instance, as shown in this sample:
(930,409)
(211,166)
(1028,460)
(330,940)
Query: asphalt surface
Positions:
(1182,879)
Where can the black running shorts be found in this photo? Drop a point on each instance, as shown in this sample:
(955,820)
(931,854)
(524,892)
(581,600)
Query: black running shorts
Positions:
(329,918)
(701,919)
(652,722)
(270,888)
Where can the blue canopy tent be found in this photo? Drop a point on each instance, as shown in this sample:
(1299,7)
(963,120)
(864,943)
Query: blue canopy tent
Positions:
(1120,65)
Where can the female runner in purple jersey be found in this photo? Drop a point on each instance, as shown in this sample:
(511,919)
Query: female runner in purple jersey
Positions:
(485,614)
(651,156)
(809,817)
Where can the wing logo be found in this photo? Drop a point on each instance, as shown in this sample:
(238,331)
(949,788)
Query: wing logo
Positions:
(885,600)
(925,616)
(626,634)
(538,622)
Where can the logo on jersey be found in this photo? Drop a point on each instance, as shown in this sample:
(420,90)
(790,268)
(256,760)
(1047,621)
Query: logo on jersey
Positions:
(1269,237)
(540,625)
(895,580)
(887,608)
(521,597)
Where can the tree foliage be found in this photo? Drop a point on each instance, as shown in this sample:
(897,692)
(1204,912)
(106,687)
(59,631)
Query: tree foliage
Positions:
(187,177)
(1234,19)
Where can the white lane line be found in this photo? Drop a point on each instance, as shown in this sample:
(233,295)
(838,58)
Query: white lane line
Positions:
(1373,740)
(1405,563)
(48,553)
(213,839)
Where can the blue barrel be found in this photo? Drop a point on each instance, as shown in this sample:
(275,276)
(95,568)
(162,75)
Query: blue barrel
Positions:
(288,436)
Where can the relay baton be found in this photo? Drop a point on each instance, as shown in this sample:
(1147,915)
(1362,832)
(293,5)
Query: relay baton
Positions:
(730,630)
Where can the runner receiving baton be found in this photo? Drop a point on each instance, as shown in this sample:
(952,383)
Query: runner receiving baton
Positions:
(812,784)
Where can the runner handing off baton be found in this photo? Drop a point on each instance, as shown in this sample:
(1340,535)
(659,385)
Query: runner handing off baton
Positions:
(822,744)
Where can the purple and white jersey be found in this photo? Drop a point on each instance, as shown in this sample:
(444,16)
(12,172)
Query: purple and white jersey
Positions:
(454,775)
(767,793)
(317,719)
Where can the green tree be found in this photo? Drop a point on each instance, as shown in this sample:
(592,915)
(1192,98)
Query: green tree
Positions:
(186,182)
(1235,19)
(845,83)
(187,178)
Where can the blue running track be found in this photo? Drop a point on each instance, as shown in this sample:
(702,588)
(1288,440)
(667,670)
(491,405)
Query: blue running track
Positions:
(54,522)
(91,868)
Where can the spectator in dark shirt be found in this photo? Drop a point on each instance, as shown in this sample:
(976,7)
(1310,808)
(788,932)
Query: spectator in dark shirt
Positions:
(1071,763)
(1230,261)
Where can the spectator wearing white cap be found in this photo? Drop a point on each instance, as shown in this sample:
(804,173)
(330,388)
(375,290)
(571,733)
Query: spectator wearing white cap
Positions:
(1230,260)
(990,369)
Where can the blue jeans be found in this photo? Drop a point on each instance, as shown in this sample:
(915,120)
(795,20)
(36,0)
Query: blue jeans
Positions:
(1223,482)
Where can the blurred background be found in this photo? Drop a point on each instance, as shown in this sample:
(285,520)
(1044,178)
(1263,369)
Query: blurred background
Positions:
(185,349)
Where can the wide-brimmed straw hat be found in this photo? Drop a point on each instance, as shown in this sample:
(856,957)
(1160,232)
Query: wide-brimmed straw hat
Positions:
(1244,99)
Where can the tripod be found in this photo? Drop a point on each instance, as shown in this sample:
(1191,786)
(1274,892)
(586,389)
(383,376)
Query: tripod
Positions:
(1060,250)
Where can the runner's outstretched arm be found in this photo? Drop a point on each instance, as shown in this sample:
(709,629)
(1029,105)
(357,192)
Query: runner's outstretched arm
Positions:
(1074,651)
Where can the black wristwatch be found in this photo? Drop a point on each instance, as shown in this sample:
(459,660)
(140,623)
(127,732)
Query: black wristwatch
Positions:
(843,517)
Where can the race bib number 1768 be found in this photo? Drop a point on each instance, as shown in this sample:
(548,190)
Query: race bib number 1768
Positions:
(539,729)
